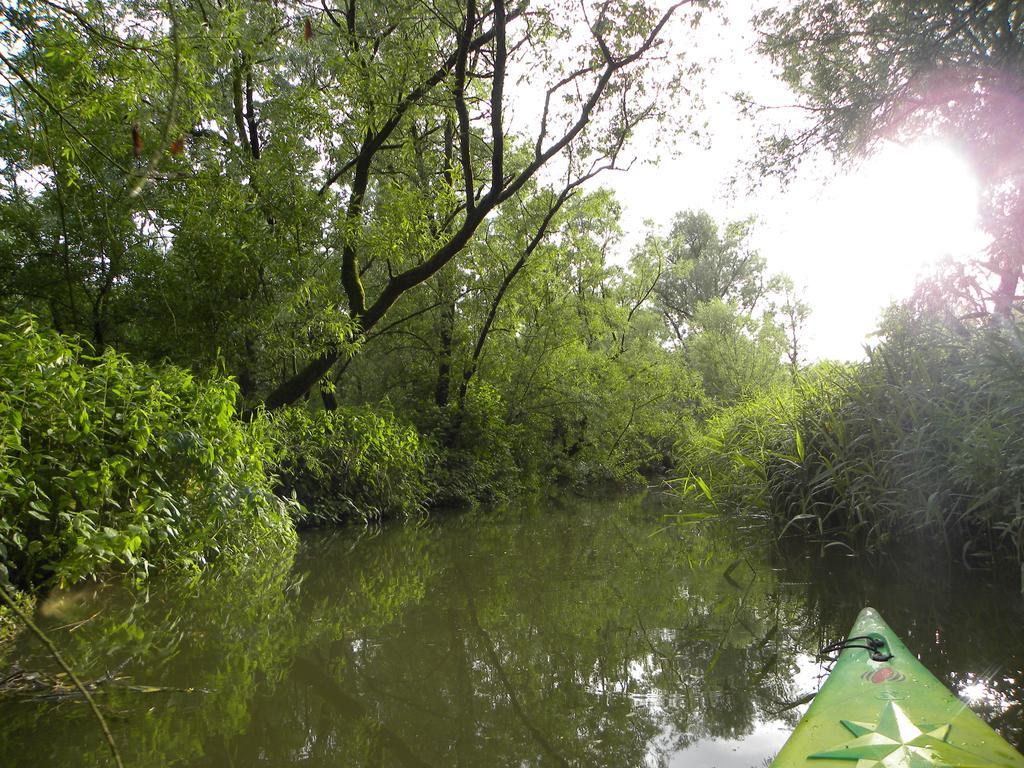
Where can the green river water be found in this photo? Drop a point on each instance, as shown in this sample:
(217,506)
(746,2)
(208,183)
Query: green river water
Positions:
(557,633)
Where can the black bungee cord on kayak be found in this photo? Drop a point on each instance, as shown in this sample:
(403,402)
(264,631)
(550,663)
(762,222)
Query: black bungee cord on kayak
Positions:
(872,644)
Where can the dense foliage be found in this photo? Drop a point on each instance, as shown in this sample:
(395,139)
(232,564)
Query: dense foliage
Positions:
(926,435)
(349,463)
(337,210)
(258,183)
(924,439)
(724,461)
(544,363)
(422,300)
(105,463)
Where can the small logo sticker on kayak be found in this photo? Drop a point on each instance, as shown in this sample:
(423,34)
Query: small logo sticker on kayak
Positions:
(883,675)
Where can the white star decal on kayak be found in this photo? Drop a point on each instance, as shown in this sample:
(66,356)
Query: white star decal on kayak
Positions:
(897,742)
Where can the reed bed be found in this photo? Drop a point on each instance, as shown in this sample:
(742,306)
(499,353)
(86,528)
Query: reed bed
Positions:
(923,442)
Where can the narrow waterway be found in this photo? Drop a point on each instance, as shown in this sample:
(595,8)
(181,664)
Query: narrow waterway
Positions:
(571,633)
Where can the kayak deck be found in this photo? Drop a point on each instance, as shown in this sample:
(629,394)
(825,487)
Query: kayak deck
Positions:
(879,712)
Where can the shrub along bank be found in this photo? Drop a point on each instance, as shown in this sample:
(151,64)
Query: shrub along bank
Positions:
(925,439)
(106,463)
(112,465)
(348,463)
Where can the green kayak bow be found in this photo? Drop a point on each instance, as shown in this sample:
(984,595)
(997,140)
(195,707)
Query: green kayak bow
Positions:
(880,708)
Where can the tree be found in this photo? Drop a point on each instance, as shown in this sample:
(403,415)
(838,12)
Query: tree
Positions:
(548,208)
(551,362)
(701,262)
(478,53)
(793,312)
(142,213)
(574,357)
(711,290)
(735,354)
(300,168)
(871,71)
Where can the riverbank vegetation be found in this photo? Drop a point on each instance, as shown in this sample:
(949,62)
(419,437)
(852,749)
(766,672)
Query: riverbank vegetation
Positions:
(925,438)
(268,265)
(109,463)
(921,443)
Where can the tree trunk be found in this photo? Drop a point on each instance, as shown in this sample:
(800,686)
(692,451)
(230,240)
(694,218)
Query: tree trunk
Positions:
(446,327)
(1006,293)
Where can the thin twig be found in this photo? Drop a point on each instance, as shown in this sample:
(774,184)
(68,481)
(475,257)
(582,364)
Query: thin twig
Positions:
(16,609)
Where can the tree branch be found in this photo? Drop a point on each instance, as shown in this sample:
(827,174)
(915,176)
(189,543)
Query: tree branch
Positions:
(497,98)
(492,311)
(416,94)
(459,92)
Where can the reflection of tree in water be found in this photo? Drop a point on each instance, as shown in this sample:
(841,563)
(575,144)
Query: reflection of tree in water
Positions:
(222,636)
(560,641)
(572,637)
(728,663)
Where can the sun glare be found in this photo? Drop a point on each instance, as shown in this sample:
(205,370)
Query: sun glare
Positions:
(978,689)
(865,240)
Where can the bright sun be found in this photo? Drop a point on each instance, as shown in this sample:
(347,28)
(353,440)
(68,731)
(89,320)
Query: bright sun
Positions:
(864,240)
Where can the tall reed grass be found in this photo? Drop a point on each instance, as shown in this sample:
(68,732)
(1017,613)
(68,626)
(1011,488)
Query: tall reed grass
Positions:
(925,440)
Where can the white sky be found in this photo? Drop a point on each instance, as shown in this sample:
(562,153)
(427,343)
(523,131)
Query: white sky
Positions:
(853,239)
